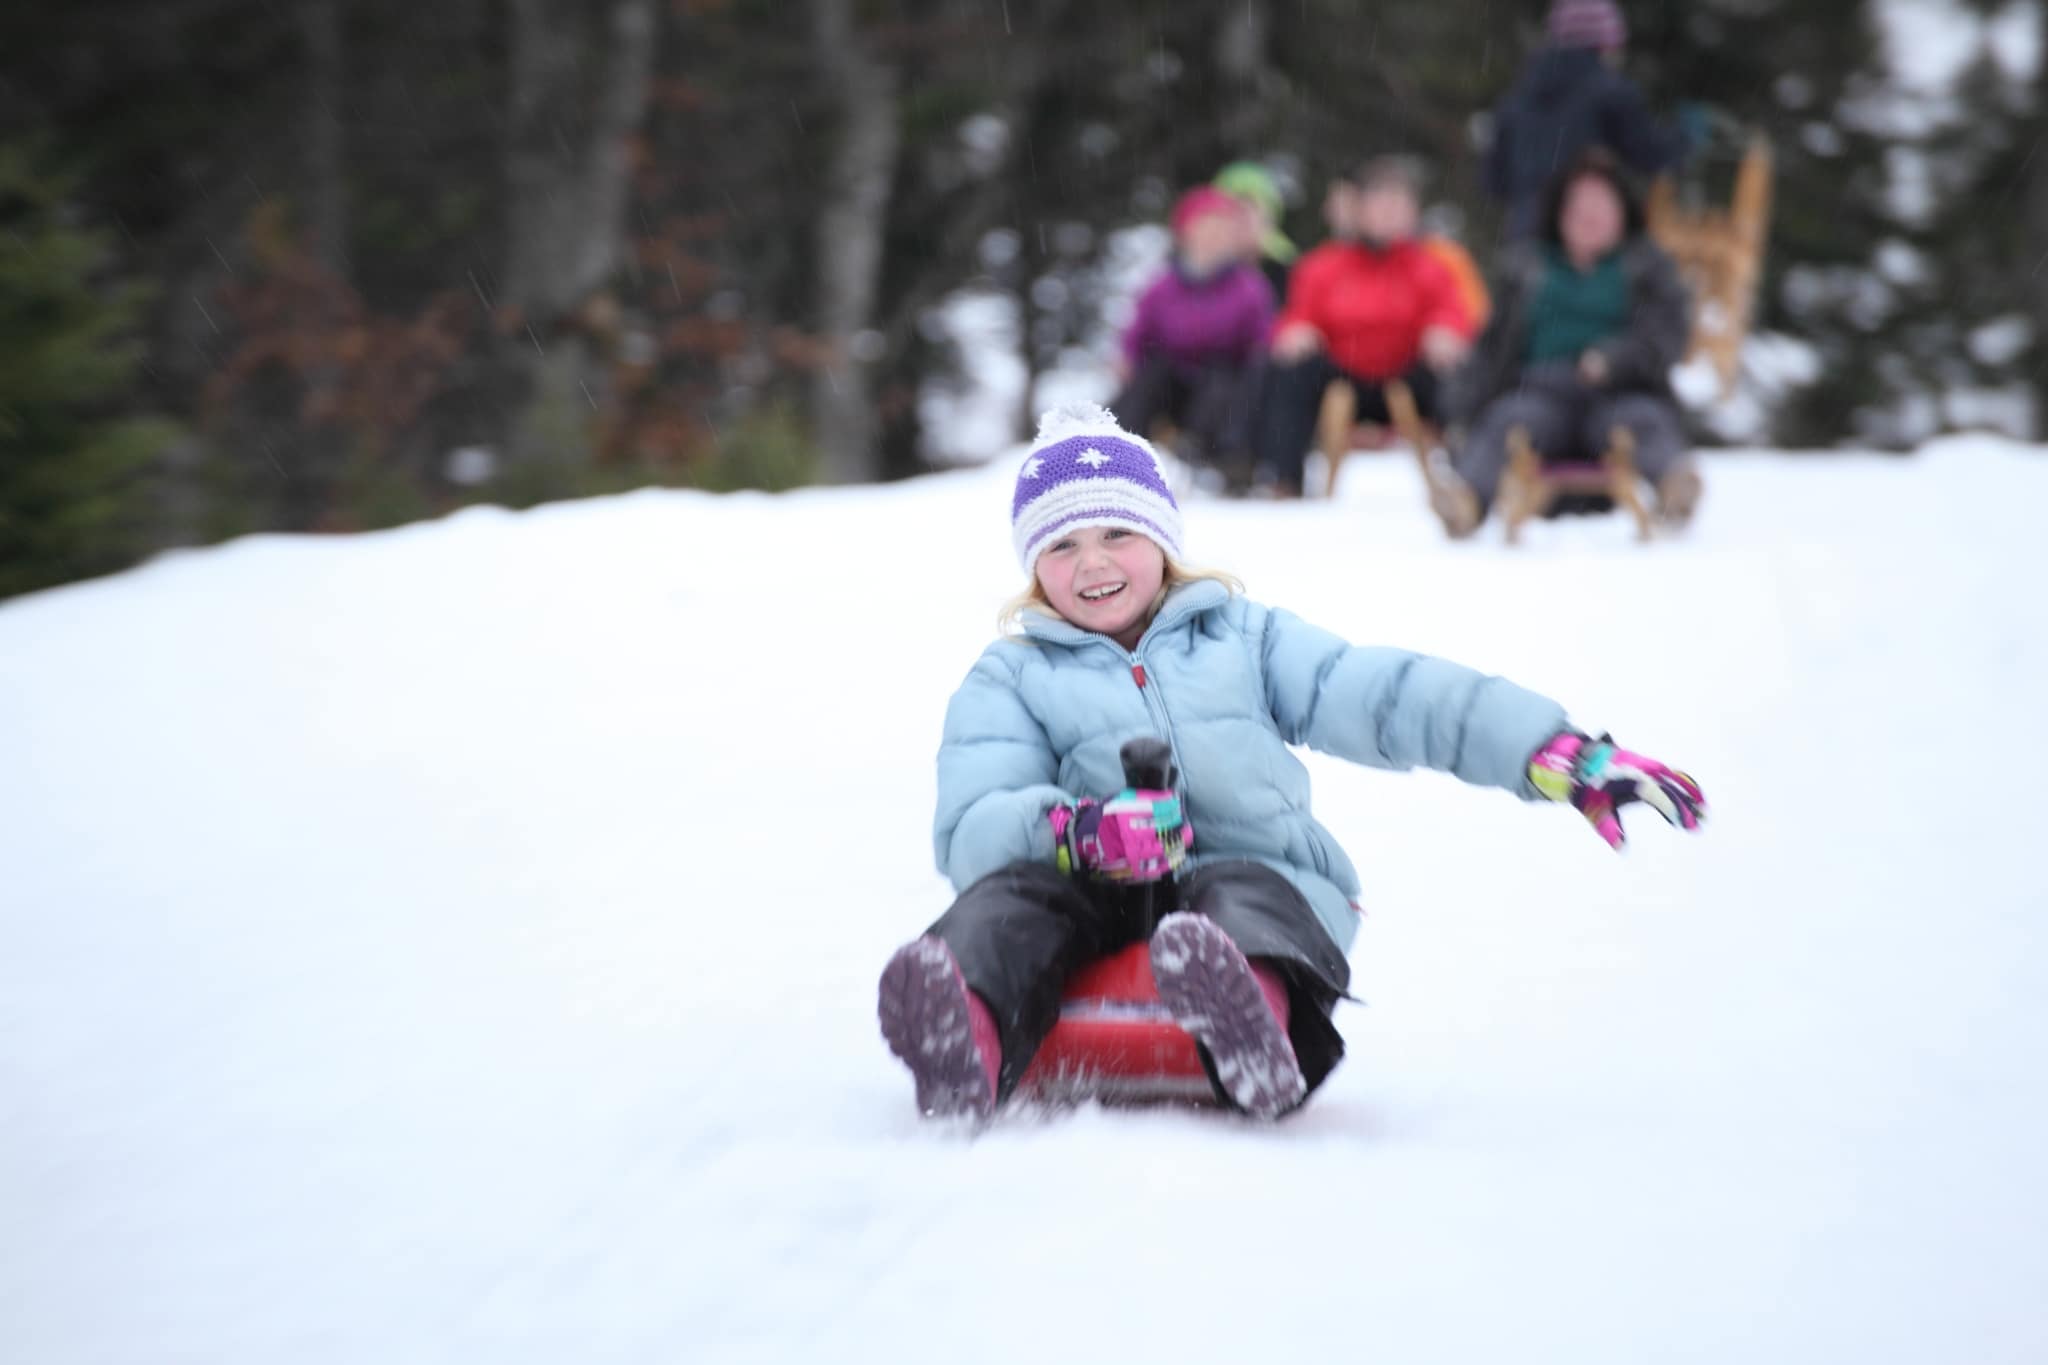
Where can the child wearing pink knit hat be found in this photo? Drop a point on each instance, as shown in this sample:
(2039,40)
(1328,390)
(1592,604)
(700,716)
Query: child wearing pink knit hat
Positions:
(1193,350)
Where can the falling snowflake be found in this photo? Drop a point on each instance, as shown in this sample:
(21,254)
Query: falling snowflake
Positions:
(1092,457)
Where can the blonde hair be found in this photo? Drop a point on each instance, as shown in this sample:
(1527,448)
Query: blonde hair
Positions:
(1010,619)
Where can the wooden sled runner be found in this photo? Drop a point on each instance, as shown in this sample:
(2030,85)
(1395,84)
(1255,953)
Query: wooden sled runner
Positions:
(1530,488)
(1339,432)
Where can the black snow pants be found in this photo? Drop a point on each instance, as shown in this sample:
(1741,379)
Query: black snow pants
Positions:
(1021,932)
(1214,405)
(1293,400)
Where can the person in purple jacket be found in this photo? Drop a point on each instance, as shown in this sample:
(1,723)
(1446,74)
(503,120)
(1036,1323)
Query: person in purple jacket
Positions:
(1195,348)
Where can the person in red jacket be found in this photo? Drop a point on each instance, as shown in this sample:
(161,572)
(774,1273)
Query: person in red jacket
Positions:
(1375,307)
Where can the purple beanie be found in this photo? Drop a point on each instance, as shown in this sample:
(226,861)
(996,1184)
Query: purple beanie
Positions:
(1085,470)
(1586,23)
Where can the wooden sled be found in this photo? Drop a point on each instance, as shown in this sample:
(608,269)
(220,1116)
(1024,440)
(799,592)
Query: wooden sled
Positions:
(1531,489)
(1720,254)
(1339,432)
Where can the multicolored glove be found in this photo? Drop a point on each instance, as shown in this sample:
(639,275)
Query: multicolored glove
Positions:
(1599,779)
(1138,835)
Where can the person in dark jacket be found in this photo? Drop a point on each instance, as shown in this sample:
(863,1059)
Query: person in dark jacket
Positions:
(1570,96)
(1587,325)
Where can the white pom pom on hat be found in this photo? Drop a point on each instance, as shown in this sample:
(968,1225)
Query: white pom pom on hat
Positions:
(1081,419)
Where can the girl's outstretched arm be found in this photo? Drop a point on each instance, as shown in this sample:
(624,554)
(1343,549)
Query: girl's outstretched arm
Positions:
(1392,708)
(998,776)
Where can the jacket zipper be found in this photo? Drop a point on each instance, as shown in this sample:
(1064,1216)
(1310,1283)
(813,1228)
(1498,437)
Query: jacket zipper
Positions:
(1155,706)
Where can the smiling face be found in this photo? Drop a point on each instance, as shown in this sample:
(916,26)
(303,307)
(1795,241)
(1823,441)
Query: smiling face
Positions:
(1388,212)
(1104,579)
(1592,220)
(1215,239)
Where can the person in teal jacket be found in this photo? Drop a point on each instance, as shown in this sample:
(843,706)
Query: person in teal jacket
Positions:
(1057,864)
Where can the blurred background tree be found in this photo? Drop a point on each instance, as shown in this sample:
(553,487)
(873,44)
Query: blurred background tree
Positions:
(71,467)
(396,257)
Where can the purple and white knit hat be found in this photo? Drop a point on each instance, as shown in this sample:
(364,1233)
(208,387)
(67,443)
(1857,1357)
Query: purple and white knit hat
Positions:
(1085,470)
(1586,23)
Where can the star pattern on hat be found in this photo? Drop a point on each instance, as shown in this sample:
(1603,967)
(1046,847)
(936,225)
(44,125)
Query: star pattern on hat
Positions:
(1085,470)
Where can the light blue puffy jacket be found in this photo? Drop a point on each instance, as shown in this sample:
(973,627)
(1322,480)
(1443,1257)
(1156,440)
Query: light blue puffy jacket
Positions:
(1229,684)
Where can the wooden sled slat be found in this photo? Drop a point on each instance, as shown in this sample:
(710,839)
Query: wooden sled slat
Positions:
(1339,432)
(1529,489)
(1720,254)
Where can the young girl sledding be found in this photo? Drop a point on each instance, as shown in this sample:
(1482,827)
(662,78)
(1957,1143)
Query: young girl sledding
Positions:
(1120,641)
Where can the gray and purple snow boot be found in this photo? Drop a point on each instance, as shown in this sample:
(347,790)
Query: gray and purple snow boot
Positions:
(941,1030)
(1219,999)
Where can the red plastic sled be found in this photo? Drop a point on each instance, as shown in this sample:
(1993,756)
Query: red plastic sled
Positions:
(1115,1041)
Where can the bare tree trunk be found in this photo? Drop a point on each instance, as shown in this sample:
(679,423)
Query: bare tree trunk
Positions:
(1019,105)
(301,498)
(851,227)
(178,505)
(1241,62)
(327,196)
(569,167)
(2036,211)
(1024,419)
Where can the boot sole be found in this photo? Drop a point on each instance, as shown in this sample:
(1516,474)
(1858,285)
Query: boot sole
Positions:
(1679,495)
(923,1011)
(1455,505)
(1208,987)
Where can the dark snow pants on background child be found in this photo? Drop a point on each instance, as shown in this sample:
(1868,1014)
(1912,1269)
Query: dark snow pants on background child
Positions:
(1568,420)
(1214,405)
(1021,932)
(1293,402)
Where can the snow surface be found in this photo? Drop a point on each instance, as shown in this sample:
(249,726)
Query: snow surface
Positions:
(458,944)
(1931,43)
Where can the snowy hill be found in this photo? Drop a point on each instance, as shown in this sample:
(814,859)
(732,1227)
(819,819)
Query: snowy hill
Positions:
(458,944)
